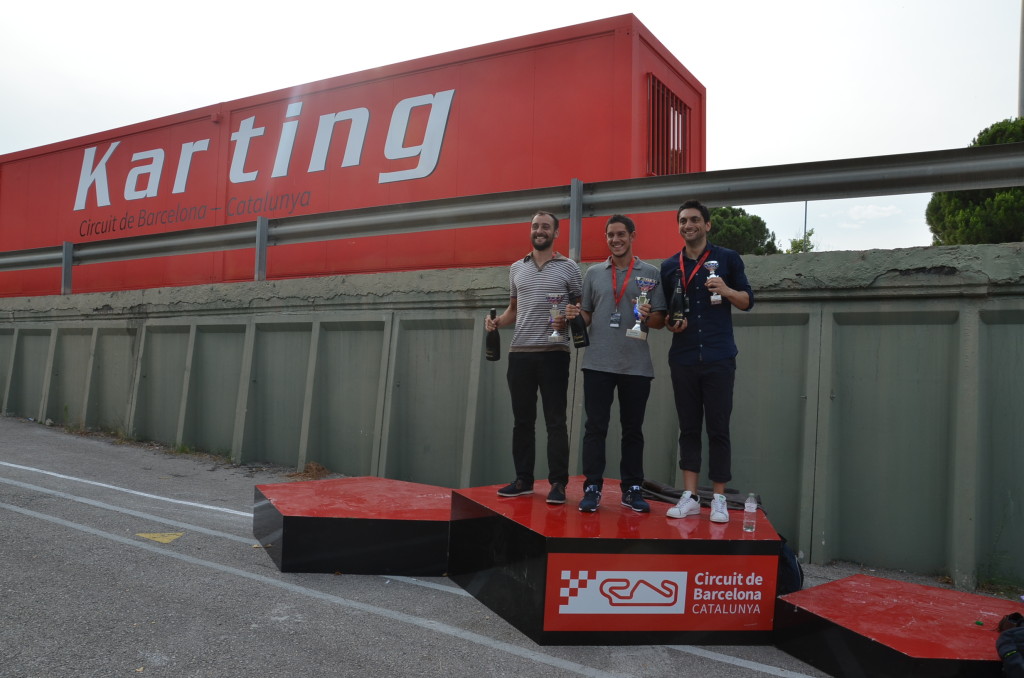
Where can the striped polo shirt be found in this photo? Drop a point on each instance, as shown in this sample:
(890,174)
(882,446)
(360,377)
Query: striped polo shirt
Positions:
(530,287)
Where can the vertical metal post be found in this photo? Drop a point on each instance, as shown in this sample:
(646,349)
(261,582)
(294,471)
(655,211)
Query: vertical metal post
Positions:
(67,255)
(262,228)
(805,227)
(575,219)
(1020,67)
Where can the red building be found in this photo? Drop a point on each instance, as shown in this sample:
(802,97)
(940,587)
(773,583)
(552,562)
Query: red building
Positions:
(597,101)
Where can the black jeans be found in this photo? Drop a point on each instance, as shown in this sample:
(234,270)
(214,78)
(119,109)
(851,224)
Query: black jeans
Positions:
(703,394)
(548,372)
(598,392)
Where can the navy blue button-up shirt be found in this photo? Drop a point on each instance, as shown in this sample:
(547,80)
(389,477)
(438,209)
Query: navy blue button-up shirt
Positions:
(708,336)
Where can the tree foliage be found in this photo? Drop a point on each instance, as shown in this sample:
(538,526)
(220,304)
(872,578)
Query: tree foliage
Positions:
(800,245)
(746,233)
(980,216)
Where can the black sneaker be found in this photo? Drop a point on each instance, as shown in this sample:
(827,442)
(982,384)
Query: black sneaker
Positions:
(557,494)
(516,488)
(591,499)
(634,499)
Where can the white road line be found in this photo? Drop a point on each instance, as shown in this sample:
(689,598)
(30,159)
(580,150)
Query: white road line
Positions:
(763,668)
(428,624)
(137,514)
(123,489)
(196,528)
(736,661)
(429,584)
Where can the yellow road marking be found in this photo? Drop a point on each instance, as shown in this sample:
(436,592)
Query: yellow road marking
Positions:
(162,537)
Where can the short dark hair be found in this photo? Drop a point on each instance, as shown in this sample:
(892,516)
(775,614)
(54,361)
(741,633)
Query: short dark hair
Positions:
(694,205)
(620,219)
(542,212)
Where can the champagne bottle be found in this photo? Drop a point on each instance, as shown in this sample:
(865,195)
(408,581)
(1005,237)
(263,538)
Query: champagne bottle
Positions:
(492,344)
(680,306)
(578,329)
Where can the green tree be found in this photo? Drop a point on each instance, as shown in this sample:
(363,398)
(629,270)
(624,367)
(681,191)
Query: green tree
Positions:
(746,233)
(981,216)
(804,244)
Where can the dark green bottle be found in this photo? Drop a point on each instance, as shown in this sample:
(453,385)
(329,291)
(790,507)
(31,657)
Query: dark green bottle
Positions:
(492,344)
(578,329)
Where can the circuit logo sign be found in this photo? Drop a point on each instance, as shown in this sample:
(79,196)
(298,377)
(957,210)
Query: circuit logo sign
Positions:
(663,592)
(617,591)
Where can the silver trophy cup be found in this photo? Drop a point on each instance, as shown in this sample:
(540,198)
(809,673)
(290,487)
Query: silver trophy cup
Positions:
(638,331)
(555,300)
(712,266)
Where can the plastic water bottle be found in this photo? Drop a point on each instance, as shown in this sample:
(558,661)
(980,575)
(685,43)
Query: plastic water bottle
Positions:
(750,513)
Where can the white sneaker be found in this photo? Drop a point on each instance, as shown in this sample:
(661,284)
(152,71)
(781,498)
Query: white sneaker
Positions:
(719,509)
(688,505)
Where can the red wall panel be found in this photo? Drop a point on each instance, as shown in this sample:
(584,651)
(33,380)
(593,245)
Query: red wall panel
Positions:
(529,112)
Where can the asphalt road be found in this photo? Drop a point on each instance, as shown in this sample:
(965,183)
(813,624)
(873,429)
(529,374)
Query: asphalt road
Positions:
(127,560)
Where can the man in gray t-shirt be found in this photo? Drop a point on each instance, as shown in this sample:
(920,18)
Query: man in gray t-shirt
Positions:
(618,358)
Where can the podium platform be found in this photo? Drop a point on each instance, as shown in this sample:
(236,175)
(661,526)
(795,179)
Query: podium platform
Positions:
(613,577)
(617,577)
(354,526)
(868,626)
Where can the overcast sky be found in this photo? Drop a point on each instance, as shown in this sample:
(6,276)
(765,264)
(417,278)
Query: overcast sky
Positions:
(787,81)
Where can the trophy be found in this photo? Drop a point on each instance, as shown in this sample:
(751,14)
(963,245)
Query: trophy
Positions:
(712,266)
(639,331)
(555,300)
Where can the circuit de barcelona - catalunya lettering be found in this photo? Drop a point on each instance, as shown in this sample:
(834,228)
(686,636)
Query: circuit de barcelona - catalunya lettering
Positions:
(143,179)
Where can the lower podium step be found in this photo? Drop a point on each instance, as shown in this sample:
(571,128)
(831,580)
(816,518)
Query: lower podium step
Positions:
(354,526)
(869,626)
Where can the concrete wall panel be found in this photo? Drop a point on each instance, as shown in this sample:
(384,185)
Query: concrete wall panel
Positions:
(277,389)
(158,404)
(1000,497)
(28,373)
(769,405)
(213,388)
(892,392)
(348,382)
(111,379)
(429,400)
(70,375)
(7,358)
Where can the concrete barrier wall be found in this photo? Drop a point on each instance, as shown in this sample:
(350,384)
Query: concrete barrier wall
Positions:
(877,412)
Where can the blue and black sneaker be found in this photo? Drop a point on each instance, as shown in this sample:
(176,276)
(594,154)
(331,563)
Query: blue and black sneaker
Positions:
(517,488)
(634,499)
(591,499)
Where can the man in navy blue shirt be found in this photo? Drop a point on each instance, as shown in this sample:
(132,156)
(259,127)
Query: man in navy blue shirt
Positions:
(702,358)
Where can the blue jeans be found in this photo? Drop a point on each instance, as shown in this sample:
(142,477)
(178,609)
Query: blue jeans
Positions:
(703,395)
(548,372)
(598,392)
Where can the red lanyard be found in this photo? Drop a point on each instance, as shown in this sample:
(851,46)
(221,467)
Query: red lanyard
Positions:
(625,283)
(686,281)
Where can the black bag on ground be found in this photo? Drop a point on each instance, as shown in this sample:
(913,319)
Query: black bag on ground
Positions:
(791,573)
(1010,645)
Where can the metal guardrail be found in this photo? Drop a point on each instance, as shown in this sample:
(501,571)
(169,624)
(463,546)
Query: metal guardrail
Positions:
(958,169)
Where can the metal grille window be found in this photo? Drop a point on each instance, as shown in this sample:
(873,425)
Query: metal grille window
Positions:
(668,120)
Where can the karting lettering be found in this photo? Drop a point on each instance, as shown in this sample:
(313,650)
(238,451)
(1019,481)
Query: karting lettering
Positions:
(143,178)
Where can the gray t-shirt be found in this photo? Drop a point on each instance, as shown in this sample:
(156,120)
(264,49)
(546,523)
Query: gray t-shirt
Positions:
(610,349)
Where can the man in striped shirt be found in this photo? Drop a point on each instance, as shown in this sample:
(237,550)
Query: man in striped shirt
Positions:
(538,358)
